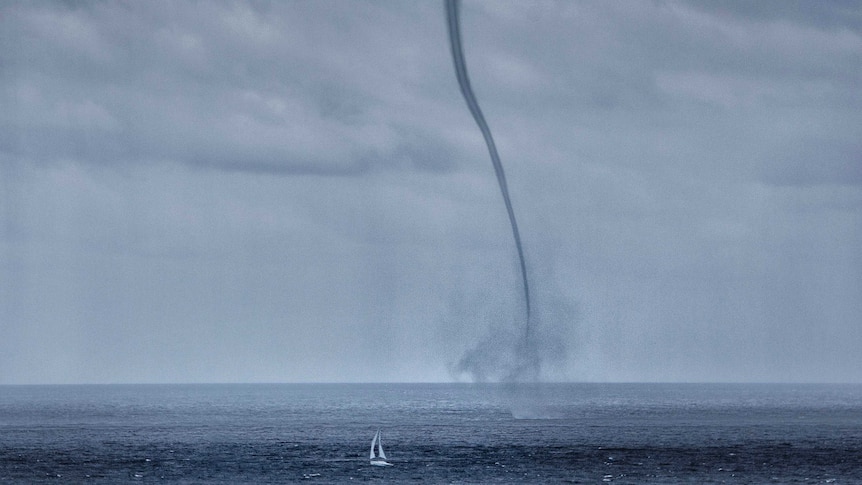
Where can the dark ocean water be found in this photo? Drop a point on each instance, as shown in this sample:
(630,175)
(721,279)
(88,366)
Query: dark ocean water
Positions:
(446,433)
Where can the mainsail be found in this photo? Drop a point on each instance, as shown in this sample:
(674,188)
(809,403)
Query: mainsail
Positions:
(380,446)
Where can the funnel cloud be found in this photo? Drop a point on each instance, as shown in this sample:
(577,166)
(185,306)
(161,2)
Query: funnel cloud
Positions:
(470,98)
(526,360)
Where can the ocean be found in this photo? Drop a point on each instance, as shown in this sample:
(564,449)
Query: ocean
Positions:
(438,433)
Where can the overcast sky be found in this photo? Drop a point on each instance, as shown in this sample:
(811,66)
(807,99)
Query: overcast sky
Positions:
(296,191)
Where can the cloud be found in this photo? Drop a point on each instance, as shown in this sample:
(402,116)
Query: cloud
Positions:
(277,89)
(294,190)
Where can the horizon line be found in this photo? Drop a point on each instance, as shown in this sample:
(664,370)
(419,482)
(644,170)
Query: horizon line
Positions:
(402,383)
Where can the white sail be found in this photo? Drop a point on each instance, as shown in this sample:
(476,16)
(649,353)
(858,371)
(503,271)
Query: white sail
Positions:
(378,457)
(380,446)
(371,456)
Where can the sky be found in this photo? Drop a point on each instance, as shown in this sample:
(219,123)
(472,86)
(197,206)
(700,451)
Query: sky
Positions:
(297,192)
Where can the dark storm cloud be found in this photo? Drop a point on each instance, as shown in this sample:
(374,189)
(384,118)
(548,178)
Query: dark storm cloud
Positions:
(828,14)
(228,86)
(721,95)
(807,162)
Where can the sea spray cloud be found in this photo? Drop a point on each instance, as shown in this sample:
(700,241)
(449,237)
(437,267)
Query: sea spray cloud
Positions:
(498,352)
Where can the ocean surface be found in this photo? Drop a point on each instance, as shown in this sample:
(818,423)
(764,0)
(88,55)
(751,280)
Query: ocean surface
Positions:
(439,433)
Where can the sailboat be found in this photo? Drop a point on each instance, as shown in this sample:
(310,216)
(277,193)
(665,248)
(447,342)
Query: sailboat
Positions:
(378,458)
